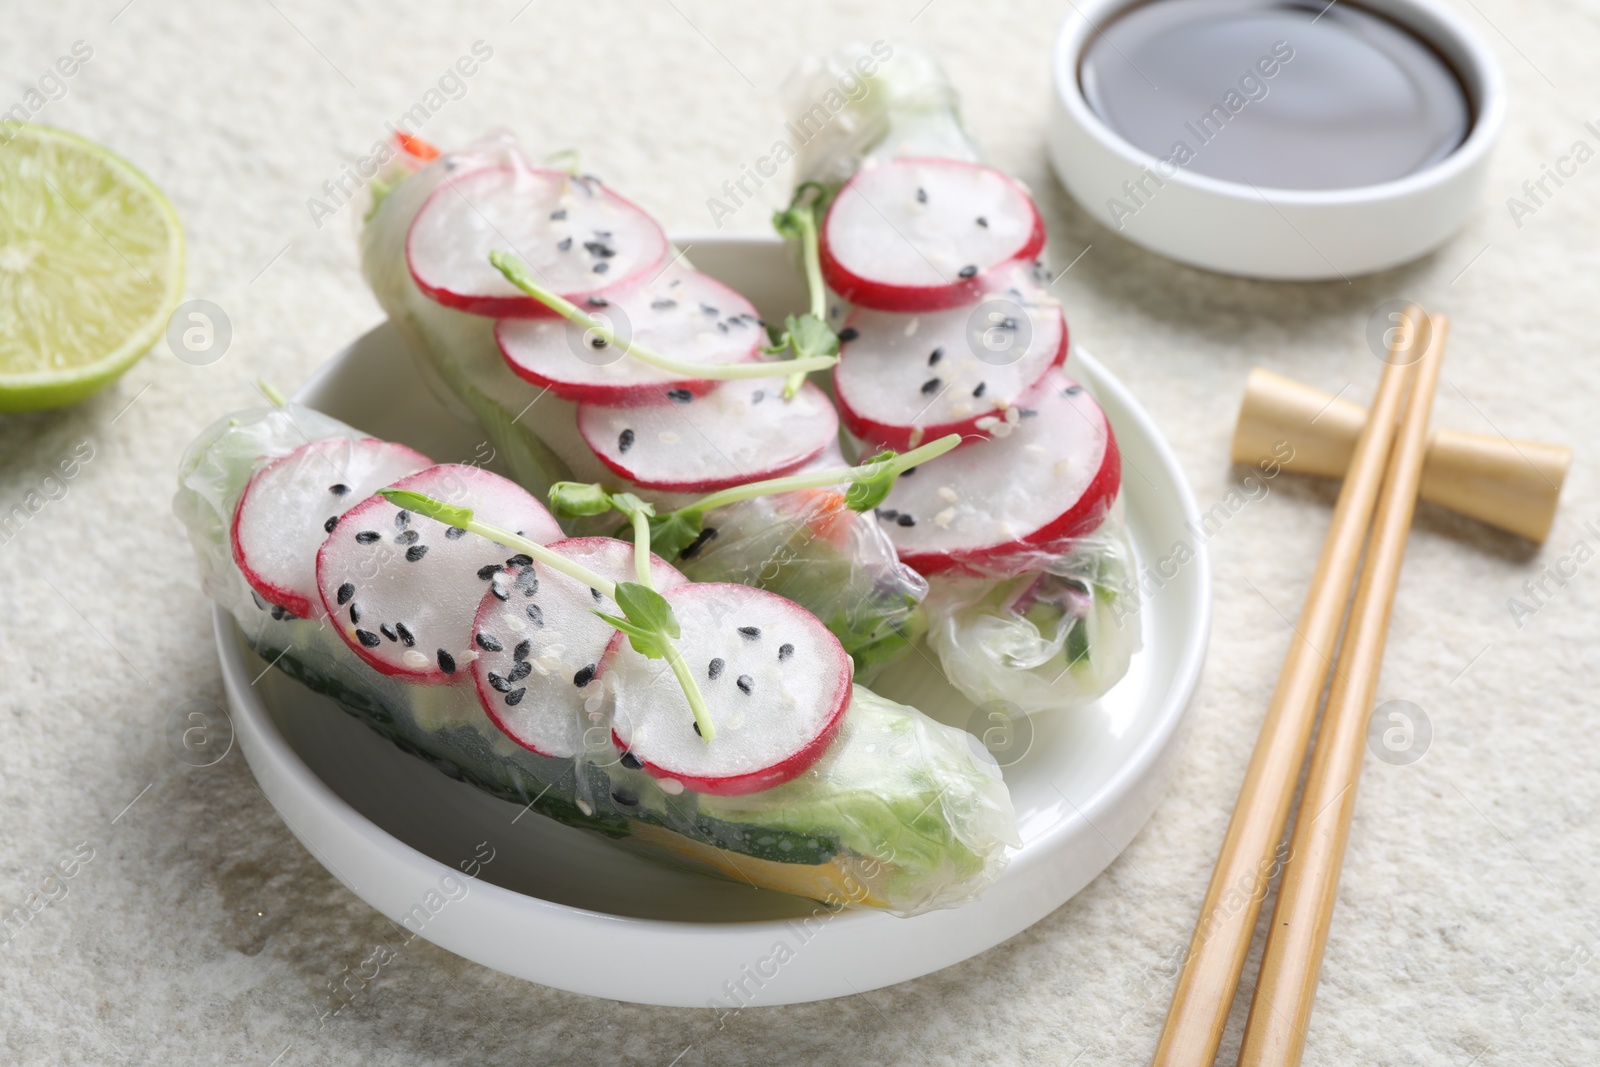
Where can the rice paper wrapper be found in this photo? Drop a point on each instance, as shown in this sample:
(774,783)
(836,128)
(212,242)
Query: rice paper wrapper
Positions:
(901,813)
(1058,635)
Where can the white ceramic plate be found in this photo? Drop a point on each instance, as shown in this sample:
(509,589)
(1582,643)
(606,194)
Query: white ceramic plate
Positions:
(558,907)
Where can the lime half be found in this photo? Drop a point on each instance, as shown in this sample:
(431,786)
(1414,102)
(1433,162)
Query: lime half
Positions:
(91,266)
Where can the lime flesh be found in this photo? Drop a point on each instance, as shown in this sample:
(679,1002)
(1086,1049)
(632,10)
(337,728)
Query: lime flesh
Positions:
(91,266)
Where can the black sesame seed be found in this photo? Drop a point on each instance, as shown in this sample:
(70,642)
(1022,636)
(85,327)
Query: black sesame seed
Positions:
(597,302)
(488,571)
(983,222)
(521,559)
(346,591)
(848,334)
(520,671)
(564,244)
(601,267)
(416,552)
(931,386)
(714,668)
(922,195)
(935,356)
(388,631)
(596,594)
(405,634)
(1008,323)
(536,614)
(968,271)
(758,396)
(692,549)
(784,652)
(489,643)
(750,633)
(708,309)
(983,387)
(1026,413)
(498,683)
(366,537)
(528,582)
(887,514)
(662,303)
(514,697)
(559,213)
(624,440)
(520,653)
(906,520)
(339,489)
(279,613)
(1072,390)
(599,248)
(447,662)
(368,638)
(453,533)
(401,518)
(630,761)
(697,730)
(624,797)
(584,676)
(597,342)
(746,684)
(407,537)
(602,233)
(679,396)
(333,520)
(355,613)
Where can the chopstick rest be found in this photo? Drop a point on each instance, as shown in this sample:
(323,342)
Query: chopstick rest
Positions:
(1298,935)
(1508,483)
(1221,940)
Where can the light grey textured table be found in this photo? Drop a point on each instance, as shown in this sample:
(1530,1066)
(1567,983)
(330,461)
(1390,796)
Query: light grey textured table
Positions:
(201,932)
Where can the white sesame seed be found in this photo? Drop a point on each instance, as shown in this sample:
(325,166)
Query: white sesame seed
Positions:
(669,438)
(911,327)
(960,409)
(670,786)
(1002,429)
(988,422)
(947,494)
(412,658)
(1013,416)
(944,518)
(1062,466)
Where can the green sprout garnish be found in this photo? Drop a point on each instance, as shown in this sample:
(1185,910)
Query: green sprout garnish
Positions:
(868,484)
(808,336)
(647,619)
(518,274)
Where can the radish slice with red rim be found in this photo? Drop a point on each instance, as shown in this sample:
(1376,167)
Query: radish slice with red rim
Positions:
(290,506)
(738,432)
(905,378)
(577,237)
(539,644)
(921,234)
(680,313)
(777,684)
(402,589)
(1051,475)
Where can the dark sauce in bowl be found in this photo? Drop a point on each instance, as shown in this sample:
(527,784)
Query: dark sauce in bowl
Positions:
(1275,93)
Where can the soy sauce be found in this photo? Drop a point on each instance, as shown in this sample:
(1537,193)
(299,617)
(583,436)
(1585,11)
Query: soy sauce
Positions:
(1275,93)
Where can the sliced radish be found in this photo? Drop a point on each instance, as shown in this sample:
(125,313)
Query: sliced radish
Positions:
(577,237)
(681,313)
(290,506)
(921,234)
(539,644)
(906,378)
(1051,475)
(776,681)
(739,432)
(402,589)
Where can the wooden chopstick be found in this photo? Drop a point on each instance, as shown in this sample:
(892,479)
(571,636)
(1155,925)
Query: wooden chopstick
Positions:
(1211,969)
(1275,1035)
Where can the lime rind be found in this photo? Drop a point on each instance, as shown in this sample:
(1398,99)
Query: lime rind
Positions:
(91,267)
